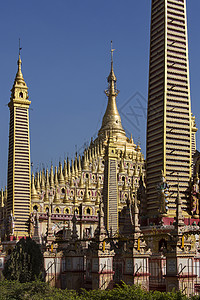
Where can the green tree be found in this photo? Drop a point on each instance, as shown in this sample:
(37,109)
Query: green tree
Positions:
(25,262)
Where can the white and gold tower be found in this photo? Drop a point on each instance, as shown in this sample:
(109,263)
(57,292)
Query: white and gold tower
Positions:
(111,124)
(19,194)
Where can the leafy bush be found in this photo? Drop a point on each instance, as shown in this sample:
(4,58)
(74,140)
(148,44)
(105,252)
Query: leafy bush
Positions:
(37,290)
(126,292)
(25,262)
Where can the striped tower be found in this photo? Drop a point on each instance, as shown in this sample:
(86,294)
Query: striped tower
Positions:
(18,202)
(169,122)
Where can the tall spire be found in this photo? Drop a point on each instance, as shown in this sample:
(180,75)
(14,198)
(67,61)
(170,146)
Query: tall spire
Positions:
(19,80)
(112,120)
(19,165)
(19,77)
(34,194)
(169,131)
(19,91)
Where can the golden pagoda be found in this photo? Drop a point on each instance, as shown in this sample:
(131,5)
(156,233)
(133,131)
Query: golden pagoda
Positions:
(99,174)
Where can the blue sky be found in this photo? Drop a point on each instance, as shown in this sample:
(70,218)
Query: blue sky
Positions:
(66,59)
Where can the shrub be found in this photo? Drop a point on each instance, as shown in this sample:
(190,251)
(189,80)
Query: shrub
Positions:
(25,262)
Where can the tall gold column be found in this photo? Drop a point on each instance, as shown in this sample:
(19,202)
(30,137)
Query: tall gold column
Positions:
(169,142)
(19,196)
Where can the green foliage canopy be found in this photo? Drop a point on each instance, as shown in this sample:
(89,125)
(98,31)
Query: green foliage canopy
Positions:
(25,262)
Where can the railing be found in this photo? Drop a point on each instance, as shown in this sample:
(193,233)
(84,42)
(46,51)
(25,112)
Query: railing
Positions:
(67,217)
(107,274)
(53,271)
(157,270)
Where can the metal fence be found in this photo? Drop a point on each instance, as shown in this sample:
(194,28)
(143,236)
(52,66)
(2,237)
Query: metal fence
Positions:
(53,272)
(157,270)
(188,273)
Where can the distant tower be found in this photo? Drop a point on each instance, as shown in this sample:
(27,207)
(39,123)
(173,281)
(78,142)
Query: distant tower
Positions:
(169,123)
(18,202)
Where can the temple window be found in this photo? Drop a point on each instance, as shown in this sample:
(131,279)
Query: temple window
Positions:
(88,211)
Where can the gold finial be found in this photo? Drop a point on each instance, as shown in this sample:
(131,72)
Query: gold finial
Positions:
(112,50)
(60,176)
(19,91)
(79,165)
(47,179)
(34,194)
(56,177)
(20,48)
(19,76)
(65,170)
(112,78)
(38,183)
(111,119)
(19,73)
(76,165)
(69,168)
(73,171)
(43,181)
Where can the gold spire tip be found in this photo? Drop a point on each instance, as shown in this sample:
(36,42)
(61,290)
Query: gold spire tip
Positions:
(112,50)
(20,48)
